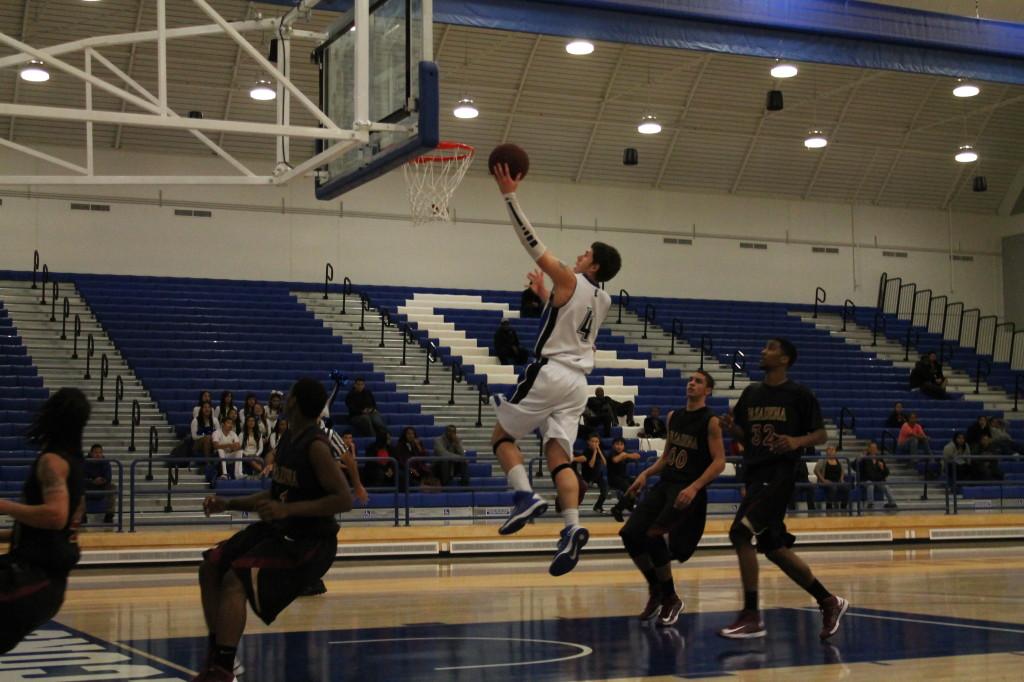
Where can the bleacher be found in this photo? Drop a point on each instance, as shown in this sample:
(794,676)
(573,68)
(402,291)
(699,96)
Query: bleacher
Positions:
(21,393)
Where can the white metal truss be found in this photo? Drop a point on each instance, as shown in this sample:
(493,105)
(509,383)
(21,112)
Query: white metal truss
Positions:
(159,115)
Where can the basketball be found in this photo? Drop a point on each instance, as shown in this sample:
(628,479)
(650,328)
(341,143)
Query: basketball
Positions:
(515,156)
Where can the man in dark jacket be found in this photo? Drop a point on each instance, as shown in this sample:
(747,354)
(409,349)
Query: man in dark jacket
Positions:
(506,345)
(604,412)
(363,415)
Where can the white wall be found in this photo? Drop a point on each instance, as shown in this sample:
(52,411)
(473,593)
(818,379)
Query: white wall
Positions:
(285,234)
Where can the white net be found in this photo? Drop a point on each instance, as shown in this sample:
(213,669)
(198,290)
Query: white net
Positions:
(433,178)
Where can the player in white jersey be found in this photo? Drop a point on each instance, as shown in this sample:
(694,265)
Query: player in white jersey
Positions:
(553,392)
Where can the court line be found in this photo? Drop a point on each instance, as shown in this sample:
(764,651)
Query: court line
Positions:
(923,622)
(154,657)
(583,649)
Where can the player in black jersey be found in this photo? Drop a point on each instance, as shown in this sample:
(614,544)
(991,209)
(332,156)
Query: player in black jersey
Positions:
(778,421)
(44,546)
(677,506)
(271,562)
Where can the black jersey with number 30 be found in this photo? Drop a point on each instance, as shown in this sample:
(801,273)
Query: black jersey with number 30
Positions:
(763,411)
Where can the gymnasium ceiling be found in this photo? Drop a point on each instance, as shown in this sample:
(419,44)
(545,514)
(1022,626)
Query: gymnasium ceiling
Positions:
(892,135)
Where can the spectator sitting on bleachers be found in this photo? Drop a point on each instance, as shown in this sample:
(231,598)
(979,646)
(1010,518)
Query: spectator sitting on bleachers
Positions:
(227,403)
(275,437)
(896,418)
(227,444)
(956,456)
(363,415)
(252,446)
(873,473)
(593,466)
(262,423)
(604,412)
(530,304)
(408,446)
(912,439)
(98,477)
(831,475)
(204,425)
(379,474)
(507,347)
(802,490)
(274,410)
(924,378)
(978,428)
(248,408)
(1002,442)
(654,426)
(619,479)
(448,444)
(985,464)
(204,397)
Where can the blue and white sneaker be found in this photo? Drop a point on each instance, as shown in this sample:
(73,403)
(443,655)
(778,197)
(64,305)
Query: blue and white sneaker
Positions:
(569,545)
(525,506)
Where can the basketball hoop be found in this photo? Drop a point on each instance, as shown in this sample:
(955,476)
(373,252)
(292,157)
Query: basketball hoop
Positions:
(432,179)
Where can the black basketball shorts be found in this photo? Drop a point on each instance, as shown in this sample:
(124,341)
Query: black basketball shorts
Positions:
(768,492)
(29,597)
(656,515)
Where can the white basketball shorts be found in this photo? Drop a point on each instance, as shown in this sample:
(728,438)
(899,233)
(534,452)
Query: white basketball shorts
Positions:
(550,397)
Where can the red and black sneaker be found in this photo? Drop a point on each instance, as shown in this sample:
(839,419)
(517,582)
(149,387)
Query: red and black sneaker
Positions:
(215,673)
(748,625)
(652,611)
(832,610)
(671,607)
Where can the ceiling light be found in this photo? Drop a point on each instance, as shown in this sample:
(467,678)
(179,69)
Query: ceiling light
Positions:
(580,47)
(965,88)
(784,70)
(965,154)
(815,139)
(35,72)
(648,125)
(263,91)
(465,108)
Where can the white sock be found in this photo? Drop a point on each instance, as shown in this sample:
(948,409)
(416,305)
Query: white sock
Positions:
(571,517)
(518,479)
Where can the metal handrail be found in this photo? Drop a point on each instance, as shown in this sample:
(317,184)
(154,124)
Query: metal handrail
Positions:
(385,321)
(906,344)
(913,310)
(118,397)
(364,305)
(90,350)
(622,294)
(104,373)
(879,317)
(960,331)
(706,348)
(1016,391)
(849,312)
(328,277)
(457,376)
(943,356)
(484,398)
(892,436)
(979,373)
(64,322)
(740,364)
(883,283)
(977,330)
(154,445)
(404,473)
(913,299)
(675,322)
(843,412)
(35,267)
(995,336)
(431,357)
(650,315)
(135,421)
(78,332)
(46,280)
(960,319)
(945,301)
(54,295)
(407,335)
(346,289)
(819,297)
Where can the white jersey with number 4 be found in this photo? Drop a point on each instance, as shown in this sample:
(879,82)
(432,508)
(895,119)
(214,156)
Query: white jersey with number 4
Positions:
(567,334)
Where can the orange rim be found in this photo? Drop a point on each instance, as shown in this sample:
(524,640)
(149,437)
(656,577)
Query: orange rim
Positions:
(462,152)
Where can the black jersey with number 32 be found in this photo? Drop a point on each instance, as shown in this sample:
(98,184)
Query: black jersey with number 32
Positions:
(764,411)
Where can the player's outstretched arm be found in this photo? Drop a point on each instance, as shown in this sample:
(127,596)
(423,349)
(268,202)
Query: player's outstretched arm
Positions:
(52,514)
(561,275)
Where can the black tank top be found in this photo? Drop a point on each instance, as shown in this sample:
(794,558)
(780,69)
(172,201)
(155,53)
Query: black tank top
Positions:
(833,472)
(687,454)
(295,480)
(55,551)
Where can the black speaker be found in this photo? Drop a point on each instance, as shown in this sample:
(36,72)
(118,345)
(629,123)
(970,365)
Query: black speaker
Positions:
(980,183)
(774,101)
(195,114)
(272,53)
(630,156)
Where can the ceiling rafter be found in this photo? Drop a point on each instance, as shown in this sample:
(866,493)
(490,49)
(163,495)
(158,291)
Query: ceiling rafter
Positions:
(958,184)
(519,90)
(868,167)
(600,111)
(903,143)
(131,67)
(679,122)
(835,128)
(750,151)
(230,97)
(17,78)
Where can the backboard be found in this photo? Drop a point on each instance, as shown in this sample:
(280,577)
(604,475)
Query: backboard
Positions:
(398,81)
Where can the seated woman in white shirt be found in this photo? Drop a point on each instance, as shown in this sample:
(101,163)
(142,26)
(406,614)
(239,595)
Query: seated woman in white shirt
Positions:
(227,443)
(262,423)
(204,425)
(252,447)
(204,397)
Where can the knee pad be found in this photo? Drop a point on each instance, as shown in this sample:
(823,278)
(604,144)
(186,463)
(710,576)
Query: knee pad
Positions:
(558,469)
(497,443)
(739,535)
